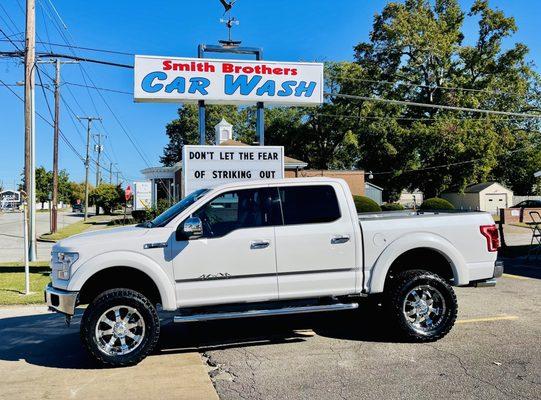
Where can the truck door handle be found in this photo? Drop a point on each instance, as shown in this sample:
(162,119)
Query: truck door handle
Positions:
(259,244)
(339,239)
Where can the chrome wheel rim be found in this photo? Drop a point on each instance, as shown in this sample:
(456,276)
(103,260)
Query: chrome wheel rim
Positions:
(424,308)
(120,330)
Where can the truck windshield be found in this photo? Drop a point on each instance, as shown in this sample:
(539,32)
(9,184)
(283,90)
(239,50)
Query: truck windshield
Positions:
(164,218)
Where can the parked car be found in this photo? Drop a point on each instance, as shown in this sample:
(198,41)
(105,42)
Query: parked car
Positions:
(268,248)
(76,208)
(528,204)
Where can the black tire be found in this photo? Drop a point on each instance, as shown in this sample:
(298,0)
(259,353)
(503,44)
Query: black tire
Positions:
(149,330)
(399,302)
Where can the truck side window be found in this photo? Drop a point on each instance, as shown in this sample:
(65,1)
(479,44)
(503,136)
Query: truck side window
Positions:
(233,210)
(309,204)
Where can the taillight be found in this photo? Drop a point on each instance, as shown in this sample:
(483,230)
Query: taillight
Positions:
(490,232)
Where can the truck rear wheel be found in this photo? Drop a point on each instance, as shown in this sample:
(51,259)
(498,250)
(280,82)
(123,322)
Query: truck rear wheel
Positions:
(120,328)
(423,305)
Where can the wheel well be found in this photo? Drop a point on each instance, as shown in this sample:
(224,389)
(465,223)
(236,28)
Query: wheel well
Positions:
(422,258)
(119,277)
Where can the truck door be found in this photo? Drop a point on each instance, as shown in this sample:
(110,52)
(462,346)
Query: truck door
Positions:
(315,246)
(234,260)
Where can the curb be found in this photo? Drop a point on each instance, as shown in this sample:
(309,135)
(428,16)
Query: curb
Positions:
(44,240)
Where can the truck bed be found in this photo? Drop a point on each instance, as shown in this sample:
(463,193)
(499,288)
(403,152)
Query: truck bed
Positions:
(385,215)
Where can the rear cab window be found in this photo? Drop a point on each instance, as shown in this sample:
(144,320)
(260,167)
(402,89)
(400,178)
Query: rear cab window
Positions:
(308,204)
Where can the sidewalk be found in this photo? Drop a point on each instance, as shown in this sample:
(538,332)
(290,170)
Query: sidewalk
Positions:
(42,358)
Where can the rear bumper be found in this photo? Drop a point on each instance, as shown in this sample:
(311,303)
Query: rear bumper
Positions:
(498,272)
(60,300)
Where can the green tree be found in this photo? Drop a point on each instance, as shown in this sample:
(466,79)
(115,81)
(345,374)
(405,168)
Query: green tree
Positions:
(107,196)
(185,129)
(418,45)
(77,192)
(44,185)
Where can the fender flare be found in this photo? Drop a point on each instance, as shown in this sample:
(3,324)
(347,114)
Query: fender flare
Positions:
(417,241)
(131,260)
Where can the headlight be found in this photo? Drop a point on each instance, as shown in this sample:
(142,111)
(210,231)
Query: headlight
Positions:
(63,262)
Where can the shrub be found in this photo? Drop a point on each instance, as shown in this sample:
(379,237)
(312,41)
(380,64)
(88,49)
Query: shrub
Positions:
(151,213)
(108,197)
(392,207)
(364,204)
(436,203)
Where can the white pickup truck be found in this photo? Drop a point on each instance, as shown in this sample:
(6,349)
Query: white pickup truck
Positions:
(268,248)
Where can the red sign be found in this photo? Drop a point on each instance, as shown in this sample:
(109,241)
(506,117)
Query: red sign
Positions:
(128,193)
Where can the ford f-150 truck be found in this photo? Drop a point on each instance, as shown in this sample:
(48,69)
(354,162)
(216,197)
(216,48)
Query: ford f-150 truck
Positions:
(268,248)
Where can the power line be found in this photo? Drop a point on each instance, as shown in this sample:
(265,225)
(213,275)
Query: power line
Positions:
(410,84)
(106,51)
(99,88)
(45,120)
(400,172)
(428,105)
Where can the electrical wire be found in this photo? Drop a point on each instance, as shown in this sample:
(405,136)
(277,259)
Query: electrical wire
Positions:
(428,105)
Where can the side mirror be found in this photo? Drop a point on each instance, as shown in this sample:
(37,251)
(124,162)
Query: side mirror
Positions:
(192,228)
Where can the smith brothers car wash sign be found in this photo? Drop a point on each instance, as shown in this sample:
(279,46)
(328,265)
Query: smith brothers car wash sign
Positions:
(209,166)
(167,79)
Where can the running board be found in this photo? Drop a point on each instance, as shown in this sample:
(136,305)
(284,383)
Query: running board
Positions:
(265,313)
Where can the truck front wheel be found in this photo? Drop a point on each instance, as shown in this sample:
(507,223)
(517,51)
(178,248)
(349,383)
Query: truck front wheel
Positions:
(423,305)
(120,327)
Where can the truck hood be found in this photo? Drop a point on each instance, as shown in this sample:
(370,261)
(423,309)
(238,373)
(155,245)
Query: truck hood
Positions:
(104,238)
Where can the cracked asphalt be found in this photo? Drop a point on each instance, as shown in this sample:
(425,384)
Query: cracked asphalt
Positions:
(493,352)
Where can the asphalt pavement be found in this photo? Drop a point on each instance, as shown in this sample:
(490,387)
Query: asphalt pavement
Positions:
(493,352)
(11,234)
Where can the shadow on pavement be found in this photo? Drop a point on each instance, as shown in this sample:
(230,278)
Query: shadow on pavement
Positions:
(521,266)
(46,341)
(226,334)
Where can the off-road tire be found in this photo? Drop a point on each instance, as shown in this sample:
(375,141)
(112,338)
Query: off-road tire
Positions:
(397,289)
(120,297)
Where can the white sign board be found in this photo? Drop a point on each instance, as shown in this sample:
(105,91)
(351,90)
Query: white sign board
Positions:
(210,166)
(142,195)
(169,79)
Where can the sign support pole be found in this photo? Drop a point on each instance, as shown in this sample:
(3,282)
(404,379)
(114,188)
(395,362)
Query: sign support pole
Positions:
(202,126)
(260,115)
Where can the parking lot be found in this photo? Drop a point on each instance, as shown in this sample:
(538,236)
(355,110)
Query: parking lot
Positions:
(494,352)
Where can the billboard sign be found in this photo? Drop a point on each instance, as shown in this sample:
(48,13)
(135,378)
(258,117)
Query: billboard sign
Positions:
(169,79)
(210,166)
(142,195)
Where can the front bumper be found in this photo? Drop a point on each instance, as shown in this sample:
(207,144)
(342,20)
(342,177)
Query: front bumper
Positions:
(498,272)
(60,300)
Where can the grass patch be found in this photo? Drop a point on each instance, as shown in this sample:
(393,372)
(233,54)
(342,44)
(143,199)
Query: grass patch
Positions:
(12,283)
(77,227)
(521,225)
(70,230)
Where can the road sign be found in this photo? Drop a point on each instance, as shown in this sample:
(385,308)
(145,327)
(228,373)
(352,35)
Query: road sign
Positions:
(128,193)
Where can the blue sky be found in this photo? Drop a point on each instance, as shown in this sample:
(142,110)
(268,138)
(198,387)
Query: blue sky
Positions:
(316,30)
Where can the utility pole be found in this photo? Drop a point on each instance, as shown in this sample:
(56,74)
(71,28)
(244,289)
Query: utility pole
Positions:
(87,159)
(30,125)
(54,207)
(98,148)
(110,173)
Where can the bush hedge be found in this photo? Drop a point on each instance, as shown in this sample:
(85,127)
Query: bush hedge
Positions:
(436,203)
(392,207)
(364,204)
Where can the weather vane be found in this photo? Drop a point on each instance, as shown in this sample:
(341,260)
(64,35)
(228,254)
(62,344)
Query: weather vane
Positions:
(229,21)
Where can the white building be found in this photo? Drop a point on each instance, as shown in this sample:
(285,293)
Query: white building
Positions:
(487,196)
